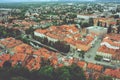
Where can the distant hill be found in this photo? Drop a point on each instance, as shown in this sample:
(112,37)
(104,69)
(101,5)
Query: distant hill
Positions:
(4,1)
(76,0)
(108,0)
(9,1)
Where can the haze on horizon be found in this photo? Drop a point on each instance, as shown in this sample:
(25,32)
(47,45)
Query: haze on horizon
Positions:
(2,1)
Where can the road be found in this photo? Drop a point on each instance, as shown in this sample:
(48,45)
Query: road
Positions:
(89,56)
(92,52)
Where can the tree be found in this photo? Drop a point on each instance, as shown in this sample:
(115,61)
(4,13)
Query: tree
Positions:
(98,23)
(46,40)
(109,29)
(45,62)
(46,73)
(20,71)
(62,73)
(116,56)
(5,73)
(18,78)
(82,53)
(7,64)
(118,29)
(118,10)
(24,38)
(62,46)
(98,57)
(91,22)
(117,22)
(16,25)
(105,78)
(84,24)
(30,30)
(105,24)
(116,16)
(76,72)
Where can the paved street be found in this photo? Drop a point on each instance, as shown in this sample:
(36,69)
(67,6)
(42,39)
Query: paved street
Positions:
(89,56)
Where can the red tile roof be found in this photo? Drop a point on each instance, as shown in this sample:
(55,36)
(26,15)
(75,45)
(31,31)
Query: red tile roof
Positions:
(114,73)
(94,67)
(69,34)
(81,64)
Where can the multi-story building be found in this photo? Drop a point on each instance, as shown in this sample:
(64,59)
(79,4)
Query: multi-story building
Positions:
(110,47)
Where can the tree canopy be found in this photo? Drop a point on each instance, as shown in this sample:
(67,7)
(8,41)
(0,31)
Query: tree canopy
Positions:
(46,72)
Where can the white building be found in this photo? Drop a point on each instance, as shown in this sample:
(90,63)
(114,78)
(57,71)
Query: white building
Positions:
(86,16)
(43,35)
(99,31)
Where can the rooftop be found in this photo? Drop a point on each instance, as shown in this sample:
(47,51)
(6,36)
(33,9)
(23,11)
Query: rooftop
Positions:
(110,44)
(95,67)
(114,73)
(96,28)
(69,34)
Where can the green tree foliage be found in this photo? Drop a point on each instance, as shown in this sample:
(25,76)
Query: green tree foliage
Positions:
(116,16)
(98,23)
(7,64)
(105,25)
(5,73)
(98,58)
(109,29)
(45,62)
(18,78)
(62,46)
(59,45)
(72,72)
(15,25)
(118,29)
(46,72)
(30,30)
(117,22)
(77,73)
(8,32)
(105,78)
(91,22)
(82,53)
(85,24)
(20,71)
(62,73)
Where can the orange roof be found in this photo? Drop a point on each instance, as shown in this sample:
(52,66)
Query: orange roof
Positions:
(81,64)
(33,63)
(41,31)
(111,42)
(10,42)
(54,62)
(60,65)
(114,73)
(69,34)
(112,39)
(5,57)
(108,50)
(114,36)
(24,48)
(94,67)
(113,23)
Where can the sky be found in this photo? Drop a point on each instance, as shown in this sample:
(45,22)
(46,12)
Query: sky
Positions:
(37,0)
